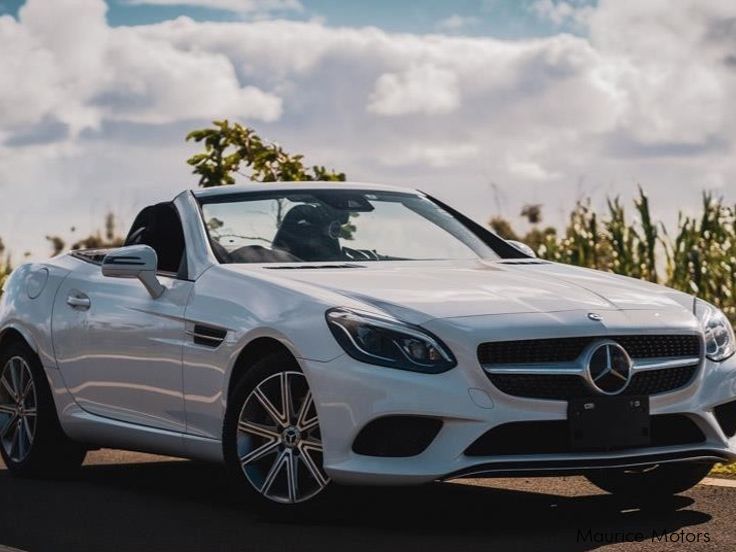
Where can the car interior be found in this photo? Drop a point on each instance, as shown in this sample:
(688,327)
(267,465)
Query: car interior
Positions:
(308,232)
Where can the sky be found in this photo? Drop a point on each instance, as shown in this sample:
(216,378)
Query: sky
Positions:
(487,104)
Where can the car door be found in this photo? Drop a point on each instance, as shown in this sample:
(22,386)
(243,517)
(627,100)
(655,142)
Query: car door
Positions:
(119,350)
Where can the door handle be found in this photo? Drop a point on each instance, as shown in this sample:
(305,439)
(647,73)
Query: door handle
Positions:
(79,301)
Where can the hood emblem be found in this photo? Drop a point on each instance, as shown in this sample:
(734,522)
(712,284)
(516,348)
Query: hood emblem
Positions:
(595,316)
(608,368)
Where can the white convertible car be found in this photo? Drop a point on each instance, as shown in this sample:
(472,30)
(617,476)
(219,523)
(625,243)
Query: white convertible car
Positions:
(312,334)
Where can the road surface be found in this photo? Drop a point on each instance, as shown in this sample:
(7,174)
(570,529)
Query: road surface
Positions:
(133,502)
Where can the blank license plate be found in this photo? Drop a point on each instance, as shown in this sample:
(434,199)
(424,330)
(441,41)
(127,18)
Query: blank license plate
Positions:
(609,423)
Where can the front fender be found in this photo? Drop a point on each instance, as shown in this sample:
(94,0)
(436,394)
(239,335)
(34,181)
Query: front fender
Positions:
(26,310)
(19,328)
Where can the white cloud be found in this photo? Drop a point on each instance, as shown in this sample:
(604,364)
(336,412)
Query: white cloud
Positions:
(436,155)
(93,117)
(168,85)
(671,67)
(455,23)
(561,12)
(79,71)
(420,89)
(529,170)
(238,6)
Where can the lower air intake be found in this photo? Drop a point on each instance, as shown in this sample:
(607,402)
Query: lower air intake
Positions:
(397,436)
(553,437)
(726,416)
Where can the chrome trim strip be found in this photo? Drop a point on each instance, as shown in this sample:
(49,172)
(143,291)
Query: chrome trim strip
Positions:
(207,337)
(556,369)
(577,368)
(645,364)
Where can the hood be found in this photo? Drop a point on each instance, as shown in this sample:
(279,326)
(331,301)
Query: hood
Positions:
(423,290)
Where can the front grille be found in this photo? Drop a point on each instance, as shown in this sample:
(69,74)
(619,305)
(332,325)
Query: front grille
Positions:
(565,387)
(553,437)
(541,386)
(567,349)
(653,382)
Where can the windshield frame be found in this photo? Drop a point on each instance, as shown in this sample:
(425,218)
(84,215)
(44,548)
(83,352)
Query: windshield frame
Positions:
(499,248)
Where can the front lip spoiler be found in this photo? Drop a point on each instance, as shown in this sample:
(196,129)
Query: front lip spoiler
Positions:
(581,466)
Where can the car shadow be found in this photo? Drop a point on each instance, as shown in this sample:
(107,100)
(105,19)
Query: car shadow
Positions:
(186,506)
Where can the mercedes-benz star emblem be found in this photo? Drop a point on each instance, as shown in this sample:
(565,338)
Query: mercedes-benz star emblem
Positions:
(608,368)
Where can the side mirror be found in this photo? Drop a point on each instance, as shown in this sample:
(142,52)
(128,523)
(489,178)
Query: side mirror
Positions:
(524,248)
(134,261)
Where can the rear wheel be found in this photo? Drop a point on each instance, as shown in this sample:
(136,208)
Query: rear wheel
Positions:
(272,440)
(32,442)
(652,482)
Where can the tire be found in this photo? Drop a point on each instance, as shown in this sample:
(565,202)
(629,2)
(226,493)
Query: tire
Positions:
(32,442)
(651,483)
(275,456)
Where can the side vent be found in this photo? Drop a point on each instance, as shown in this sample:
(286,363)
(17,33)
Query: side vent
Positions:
(208,336)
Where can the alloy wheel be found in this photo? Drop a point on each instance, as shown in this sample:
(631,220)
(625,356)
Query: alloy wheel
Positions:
(279,442)
(17,409)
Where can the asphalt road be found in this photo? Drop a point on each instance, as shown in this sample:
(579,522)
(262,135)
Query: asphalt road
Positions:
(142,503)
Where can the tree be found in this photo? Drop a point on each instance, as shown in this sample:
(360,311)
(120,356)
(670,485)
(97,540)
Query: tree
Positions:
(5,265)
(228,147)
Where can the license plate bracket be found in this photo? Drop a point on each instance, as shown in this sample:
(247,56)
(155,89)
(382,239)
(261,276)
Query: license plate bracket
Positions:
(609,423)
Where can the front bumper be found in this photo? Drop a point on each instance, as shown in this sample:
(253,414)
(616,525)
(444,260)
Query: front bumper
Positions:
(350,394)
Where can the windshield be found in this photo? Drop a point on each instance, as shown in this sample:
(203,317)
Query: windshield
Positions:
(335,226)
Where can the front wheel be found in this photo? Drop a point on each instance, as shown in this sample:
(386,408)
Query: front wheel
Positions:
(272,440)
(652,482)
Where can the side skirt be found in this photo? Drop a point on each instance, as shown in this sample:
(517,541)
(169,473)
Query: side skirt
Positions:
(99,431)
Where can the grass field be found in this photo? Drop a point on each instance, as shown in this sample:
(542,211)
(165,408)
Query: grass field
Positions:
(721,470)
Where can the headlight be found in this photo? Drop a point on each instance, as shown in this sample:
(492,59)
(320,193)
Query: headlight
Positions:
(388,342)
(720,343)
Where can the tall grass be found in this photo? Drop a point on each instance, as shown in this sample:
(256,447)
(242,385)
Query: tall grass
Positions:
(701,257)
